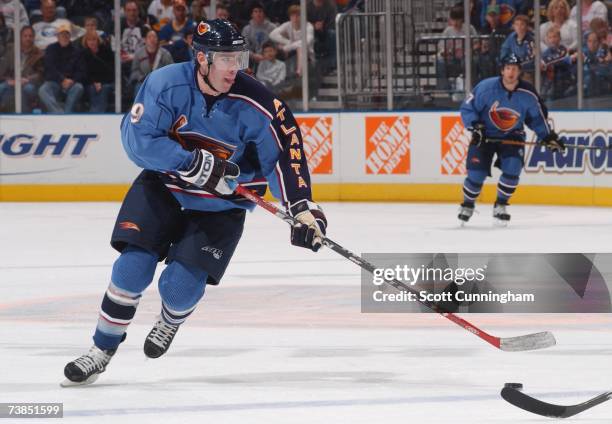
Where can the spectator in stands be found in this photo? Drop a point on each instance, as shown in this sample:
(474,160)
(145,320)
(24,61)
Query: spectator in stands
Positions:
(31,72)
(91,27)
(34,10)
(558,13)
(491,47)
(322,15)
(78,10)
(508,10)
(175,29)
(133,31)
(271,71)
(181,50)
(556,66)
(222,12)
(198,11)
(521,43)
(288,38)
(450,62)
(64,74)
(162,11)
(257,32)
(240,11)
(475,13)
(590,9)
(597,66)
(46,30)
(276,10)
(7,8)
(493,22)
(147,59)
(6,51)
(600,27)
(99,63)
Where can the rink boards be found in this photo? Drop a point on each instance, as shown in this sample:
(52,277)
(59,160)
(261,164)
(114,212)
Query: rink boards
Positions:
(417,156)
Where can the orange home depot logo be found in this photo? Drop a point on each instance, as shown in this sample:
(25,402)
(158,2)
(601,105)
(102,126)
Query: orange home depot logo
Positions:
(455,141)
(317,136)
(387,145)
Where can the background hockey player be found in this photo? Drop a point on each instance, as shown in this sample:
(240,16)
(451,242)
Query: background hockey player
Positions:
(196,129)
(498,108)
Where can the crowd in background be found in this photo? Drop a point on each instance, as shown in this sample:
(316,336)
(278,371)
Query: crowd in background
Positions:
(67,61)
(507,26)
(68,64)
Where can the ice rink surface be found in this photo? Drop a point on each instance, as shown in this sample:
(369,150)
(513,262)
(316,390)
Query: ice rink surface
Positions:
(282,339)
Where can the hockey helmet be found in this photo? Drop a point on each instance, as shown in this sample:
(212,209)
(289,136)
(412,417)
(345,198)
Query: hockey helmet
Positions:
(511,59)
(222,44)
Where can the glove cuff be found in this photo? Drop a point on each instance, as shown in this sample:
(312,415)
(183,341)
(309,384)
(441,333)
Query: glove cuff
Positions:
(306,205)
(295,208)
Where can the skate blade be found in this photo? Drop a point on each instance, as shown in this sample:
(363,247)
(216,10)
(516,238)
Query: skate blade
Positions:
(500,223)
(69,383)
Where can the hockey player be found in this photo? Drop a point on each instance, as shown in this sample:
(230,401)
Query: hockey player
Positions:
(197,129)
(498,107)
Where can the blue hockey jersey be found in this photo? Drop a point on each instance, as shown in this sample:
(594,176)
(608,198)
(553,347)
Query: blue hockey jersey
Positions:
(248,125)
(504,112)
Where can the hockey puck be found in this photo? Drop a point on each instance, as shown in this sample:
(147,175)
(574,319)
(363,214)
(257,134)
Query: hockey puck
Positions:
(517,386)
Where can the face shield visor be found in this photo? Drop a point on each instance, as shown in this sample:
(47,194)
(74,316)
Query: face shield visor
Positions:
(226,61)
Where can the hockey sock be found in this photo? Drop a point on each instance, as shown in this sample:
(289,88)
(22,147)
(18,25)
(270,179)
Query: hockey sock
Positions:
(473,185)
(132,272)
(506,188)
(181,287)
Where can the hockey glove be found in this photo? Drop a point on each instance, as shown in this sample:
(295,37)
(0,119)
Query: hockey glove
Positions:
(478,133)
(553,143)
(312,225)
(211,173)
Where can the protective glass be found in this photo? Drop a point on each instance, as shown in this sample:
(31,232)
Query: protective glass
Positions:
(225,61)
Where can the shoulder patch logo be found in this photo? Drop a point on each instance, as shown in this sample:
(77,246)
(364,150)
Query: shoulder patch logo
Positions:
(136,113)
(127,225)
(203,28)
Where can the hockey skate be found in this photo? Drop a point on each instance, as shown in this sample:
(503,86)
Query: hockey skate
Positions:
(87,368)
(501,217)
(159,339)
(465,213)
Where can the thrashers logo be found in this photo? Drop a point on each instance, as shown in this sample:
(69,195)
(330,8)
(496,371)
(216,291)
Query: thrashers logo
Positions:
(203,28)
(503,118)
(191,140)
(127,225)
(317,139)
(454,146)
(387,145)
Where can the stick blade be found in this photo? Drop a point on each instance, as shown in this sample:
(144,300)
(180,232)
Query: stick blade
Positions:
(535,406)
(533,341)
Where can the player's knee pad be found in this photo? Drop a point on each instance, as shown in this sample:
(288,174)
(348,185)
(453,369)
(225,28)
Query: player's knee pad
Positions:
(134,269)
(477,176)
(181,286)
(512,166)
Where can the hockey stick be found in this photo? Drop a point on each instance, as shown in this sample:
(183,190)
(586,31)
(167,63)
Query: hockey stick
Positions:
(531,143)
(510,344)
(535,406)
